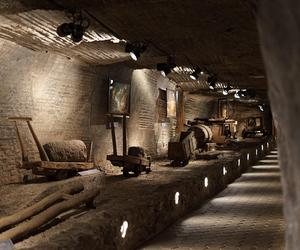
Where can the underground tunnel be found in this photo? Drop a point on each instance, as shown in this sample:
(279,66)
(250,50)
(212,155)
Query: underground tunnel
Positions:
(149,124)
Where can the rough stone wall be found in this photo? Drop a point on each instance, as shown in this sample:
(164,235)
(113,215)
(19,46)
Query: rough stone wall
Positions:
(199,106)
(54,91)
(68,100)
(144,128)
(242,111)
(278,23)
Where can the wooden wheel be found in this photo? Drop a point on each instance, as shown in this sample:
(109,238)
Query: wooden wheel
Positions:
(137,170)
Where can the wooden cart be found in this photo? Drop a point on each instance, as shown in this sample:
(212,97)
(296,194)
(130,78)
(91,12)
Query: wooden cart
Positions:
(55,170)
(130,163)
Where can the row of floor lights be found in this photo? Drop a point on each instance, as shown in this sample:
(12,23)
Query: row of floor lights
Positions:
(177,194)
(125,224)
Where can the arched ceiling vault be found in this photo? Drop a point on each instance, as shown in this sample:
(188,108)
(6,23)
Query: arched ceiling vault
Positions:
(220,35)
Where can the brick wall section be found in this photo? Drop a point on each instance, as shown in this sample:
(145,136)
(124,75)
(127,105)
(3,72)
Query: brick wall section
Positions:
(54,91)
(68,100)
(199,106)
(145,129)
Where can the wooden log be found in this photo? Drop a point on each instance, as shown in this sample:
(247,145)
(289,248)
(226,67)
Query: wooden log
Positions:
(39,206)
(50,213)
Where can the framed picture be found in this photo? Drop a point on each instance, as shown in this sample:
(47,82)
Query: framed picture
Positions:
(258,121)
(119,98)
(171,103)
(251,122)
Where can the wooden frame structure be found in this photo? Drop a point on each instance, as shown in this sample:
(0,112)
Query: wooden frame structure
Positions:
(58,170)
(130,163)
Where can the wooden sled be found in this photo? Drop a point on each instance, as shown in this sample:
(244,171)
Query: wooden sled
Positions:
(130,163)
(55,170)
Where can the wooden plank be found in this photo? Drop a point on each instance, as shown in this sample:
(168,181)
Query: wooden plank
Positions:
(43,155)
(113,135)
(58,165)
(124,136)
(129,159)
(24,158)
(20,118)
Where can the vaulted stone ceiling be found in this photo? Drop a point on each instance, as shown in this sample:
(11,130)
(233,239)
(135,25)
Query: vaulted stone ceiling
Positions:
(220,35)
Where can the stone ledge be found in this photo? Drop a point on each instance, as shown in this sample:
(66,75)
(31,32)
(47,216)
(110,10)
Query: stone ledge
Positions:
(146,203)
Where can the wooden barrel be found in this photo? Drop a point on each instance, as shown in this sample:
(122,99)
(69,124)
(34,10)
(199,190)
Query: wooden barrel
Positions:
(203,134)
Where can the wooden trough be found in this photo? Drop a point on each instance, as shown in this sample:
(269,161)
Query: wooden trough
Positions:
(56,170)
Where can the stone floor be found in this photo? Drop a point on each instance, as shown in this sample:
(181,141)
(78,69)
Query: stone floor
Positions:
(246,215)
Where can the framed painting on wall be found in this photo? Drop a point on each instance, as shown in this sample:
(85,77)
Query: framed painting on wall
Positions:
(119,98)
(171,103)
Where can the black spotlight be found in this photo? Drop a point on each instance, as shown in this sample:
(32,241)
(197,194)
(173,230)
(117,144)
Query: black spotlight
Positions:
(65,29)
(165,68)
(135,49)
(211,80)
(77,33)
(196,73)
(75,29)
(226,90)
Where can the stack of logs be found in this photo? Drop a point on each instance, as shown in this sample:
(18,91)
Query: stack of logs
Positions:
(26,221)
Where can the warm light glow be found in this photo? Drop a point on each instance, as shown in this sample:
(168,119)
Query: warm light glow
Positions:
(236,95)
(176,198)
(206,182)
(133,56)
(225,92)
(124,228)
(256,152)
(261,108)
(163,73)
(211,87)
(267,145)
(248,157)
(224,171)
(239,162)
(193,77)
(262,147)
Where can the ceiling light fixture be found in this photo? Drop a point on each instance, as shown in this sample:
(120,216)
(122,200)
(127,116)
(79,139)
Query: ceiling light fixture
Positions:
(226,90)
(196,73)
(211,81)
(135,49)
(237,94)
(261,107)
(76,29)
(166,68)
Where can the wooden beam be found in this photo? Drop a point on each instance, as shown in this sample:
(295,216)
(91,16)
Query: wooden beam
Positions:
(124,136)
(113,135)
(43,154)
